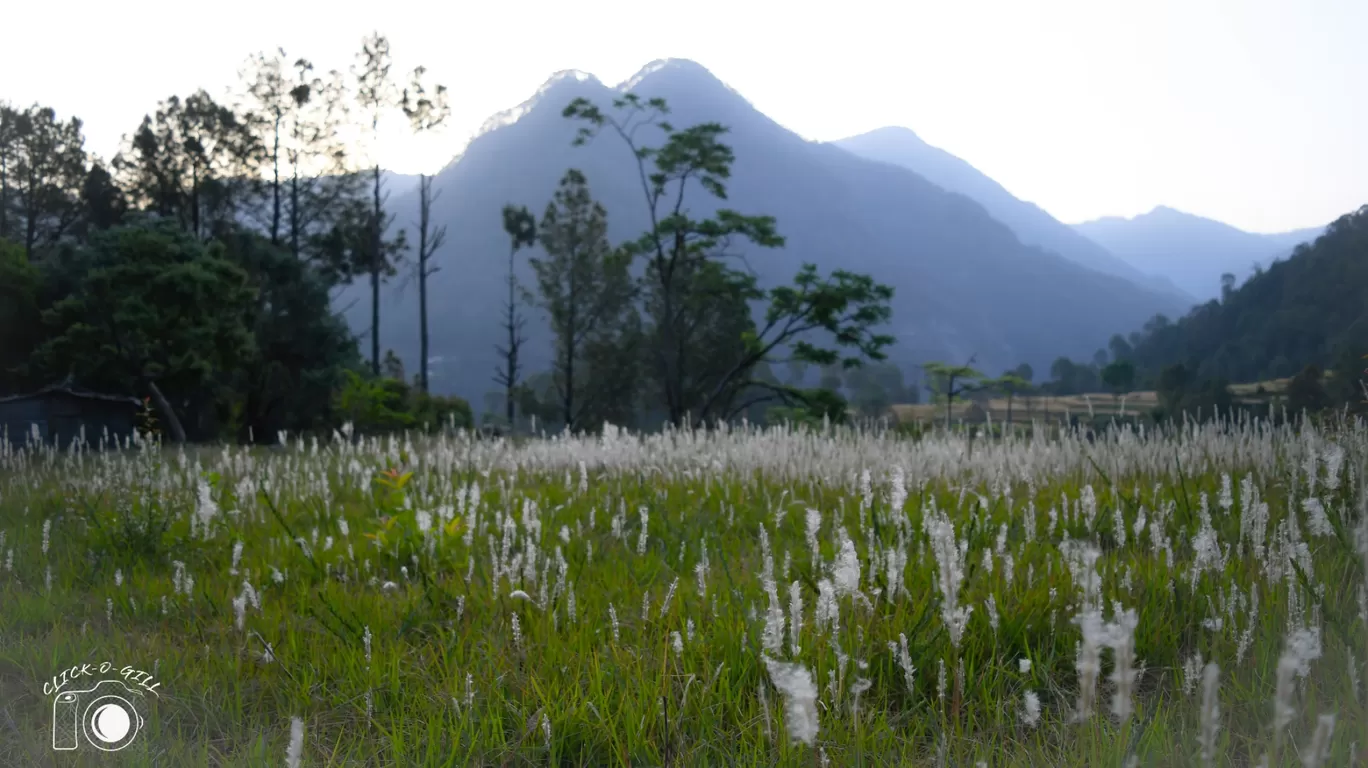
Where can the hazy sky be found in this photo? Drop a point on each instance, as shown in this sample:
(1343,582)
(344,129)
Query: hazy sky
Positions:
(1253,112)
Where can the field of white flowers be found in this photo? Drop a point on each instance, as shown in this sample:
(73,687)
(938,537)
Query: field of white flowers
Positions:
(739,597)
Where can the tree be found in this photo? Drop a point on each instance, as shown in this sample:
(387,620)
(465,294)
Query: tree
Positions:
(1227,287)
(300,348)
(522,232)
(1119,376)
(270,91)
(686,280)
(1024,372)
(158,312)
(874,387)
(1120,348)
(188,161)
(49,169)
(1172,388)
(425,112)
(307,195)
(20,320)
(392,367)
(941,378)
(1345,385)
(102,201)
(585,289)
(9,140)
(377,95)
(1010,384)
(1306,391)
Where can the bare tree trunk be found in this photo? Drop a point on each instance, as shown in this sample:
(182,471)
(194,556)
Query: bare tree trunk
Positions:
(294,213)
(511,382)
(375,258)
(424,184)
(4,192)
(275,183)
(168,414)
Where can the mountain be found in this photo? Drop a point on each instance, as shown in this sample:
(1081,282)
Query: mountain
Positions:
(1311,308)
(1031,224)
(1192,251)
(965,285)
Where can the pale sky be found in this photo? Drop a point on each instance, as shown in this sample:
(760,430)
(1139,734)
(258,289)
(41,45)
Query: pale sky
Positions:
(1252,112)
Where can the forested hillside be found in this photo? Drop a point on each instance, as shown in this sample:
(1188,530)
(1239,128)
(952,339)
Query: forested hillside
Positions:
(1310,308)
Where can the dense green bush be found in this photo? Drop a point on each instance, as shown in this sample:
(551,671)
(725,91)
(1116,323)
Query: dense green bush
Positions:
(377,405)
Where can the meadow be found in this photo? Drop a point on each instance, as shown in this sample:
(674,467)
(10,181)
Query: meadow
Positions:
(828,597)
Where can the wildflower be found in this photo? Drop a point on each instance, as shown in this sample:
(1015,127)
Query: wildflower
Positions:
(701,569)
(813,525)
(1315,754)
(1121,636)
(239,611)
(296,750)
(1089,663)
(904,659)
(828,614)
(1211,712)
(847,574)
(1030,709)
(940,679)
(800,699)
(669,596)
(773,637)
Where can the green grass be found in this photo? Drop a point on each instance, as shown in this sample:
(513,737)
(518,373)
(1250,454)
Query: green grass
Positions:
(448,682)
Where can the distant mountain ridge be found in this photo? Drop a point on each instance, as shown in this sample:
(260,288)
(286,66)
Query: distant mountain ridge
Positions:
(964,284)
(1311,308)
(1032,225)
(1191,250)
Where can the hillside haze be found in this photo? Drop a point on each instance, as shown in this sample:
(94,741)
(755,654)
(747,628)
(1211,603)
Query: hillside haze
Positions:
(965,285)
(1031,224)
(1190,250)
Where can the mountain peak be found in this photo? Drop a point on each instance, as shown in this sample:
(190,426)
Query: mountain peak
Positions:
(564,80)
(679,77)
(681,68)
(1166,211)
(889,132)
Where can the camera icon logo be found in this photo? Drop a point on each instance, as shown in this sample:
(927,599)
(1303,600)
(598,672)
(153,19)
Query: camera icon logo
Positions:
(104,713)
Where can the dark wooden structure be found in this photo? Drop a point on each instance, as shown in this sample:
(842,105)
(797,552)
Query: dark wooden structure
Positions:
(60,412)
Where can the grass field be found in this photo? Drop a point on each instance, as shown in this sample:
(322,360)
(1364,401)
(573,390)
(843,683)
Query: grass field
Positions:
(734,598)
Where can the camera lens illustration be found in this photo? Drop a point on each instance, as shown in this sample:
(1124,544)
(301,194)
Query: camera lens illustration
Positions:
(104,714)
